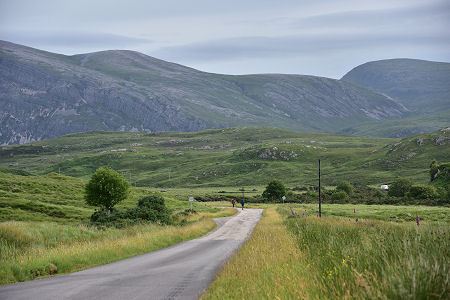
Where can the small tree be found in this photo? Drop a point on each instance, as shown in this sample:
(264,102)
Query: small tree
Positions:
(274,190)
(346,187)
(106,188)
(399,187)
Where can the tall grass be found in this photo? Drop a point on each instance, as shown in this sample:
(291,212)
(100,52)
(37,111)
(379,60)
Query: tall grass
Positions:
(266,267)
(29,250)
(374,259)
(336,258)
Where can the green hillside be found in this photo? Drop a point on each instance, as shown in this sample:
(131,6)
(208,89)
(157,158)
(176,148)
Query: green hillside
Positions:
(58,198)
(248,156)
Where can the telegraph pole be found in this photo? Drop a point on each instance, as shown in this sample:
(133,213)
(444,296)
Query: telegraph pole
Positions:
(320,195)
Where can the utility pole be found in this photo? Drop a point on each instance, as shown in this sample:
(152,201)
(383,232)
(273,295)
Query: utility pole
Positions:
(320,195)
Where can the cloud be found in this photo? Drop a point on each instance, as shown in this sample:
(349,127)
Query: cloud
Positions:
(415,15)
(73,39)
(300,45)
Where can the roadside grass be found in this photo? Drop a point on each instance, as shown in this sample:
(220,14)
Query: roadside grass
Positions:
(332,257)
(266,267)
(373,259)
(394,213)
(29,250)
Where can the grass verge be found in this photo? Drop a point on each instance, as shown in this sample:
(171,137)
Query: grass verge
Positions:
(29,250)
(266,266)
(333,257)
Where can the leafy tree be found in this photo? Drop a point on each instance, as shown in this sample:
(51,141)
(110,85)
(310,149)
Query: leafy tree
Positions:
(399,187)
(346,187)
(106,188)
(274,190)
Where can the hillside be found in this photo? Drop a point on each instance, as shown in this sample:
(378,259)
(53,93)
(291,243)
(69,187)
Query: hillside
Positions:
(60,199)
(421,86)
(249,156)
(45,95)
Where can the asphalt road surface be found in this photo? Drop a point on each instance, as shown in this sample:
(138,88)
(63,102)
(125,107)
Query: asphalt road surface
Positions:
(182,271)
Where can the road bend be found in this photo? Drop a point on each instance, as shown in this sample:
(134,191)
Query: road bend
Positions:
(182,271)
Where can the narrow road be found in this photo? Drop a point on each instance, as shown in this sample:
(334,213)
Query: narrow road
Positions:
(182,271)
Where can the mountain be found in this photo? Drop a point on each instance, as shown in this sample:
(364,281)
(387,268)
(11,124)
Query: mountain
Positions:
(422,86)
(45,95)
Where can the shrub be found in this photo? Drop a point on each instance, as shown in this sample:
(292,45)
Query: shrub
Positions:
(339,196)
(106,188)
(399,188)
(421,191)
(346,187)
(274,190)
(104,216)
(151,208)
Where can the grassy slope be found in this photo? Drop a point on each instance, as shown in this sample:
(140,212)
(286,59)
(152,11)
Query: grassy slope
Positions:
(229,157)
(407,126)
(58,198)
(312,258)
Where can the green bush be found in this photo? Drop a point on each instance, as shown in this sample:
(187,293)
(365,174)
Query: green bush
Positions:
(346,187)
(106,188)
(422,191)
(150,208)
(274,190)
(339,196)
(104,216)
(399,188)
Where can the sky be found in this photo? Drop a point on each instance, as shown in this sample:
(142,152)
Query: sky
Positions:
(323,38)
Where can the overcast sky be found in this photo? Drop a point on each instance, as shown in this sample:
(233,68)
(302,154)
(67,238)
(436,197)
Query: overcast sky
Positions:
(324,38)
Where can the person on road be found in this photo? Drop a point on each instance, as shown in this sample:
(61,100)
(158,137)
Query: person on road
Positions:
(232,201)
(242,203)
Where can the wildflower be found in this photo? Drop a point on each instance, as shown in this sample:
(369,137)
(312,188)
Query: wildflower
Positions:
(354,210)
(343,261)
(292,212)
(303,213)
(357,220)
(296,214)
(418,221)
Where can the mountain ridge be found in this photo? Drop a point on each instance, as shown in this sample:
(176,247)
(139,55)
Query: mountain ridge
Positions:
(46,95)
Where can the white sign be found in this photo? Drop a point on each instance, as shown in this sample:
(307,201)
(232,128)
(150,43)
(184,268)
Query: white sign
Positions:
(284,198)
(191,199)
